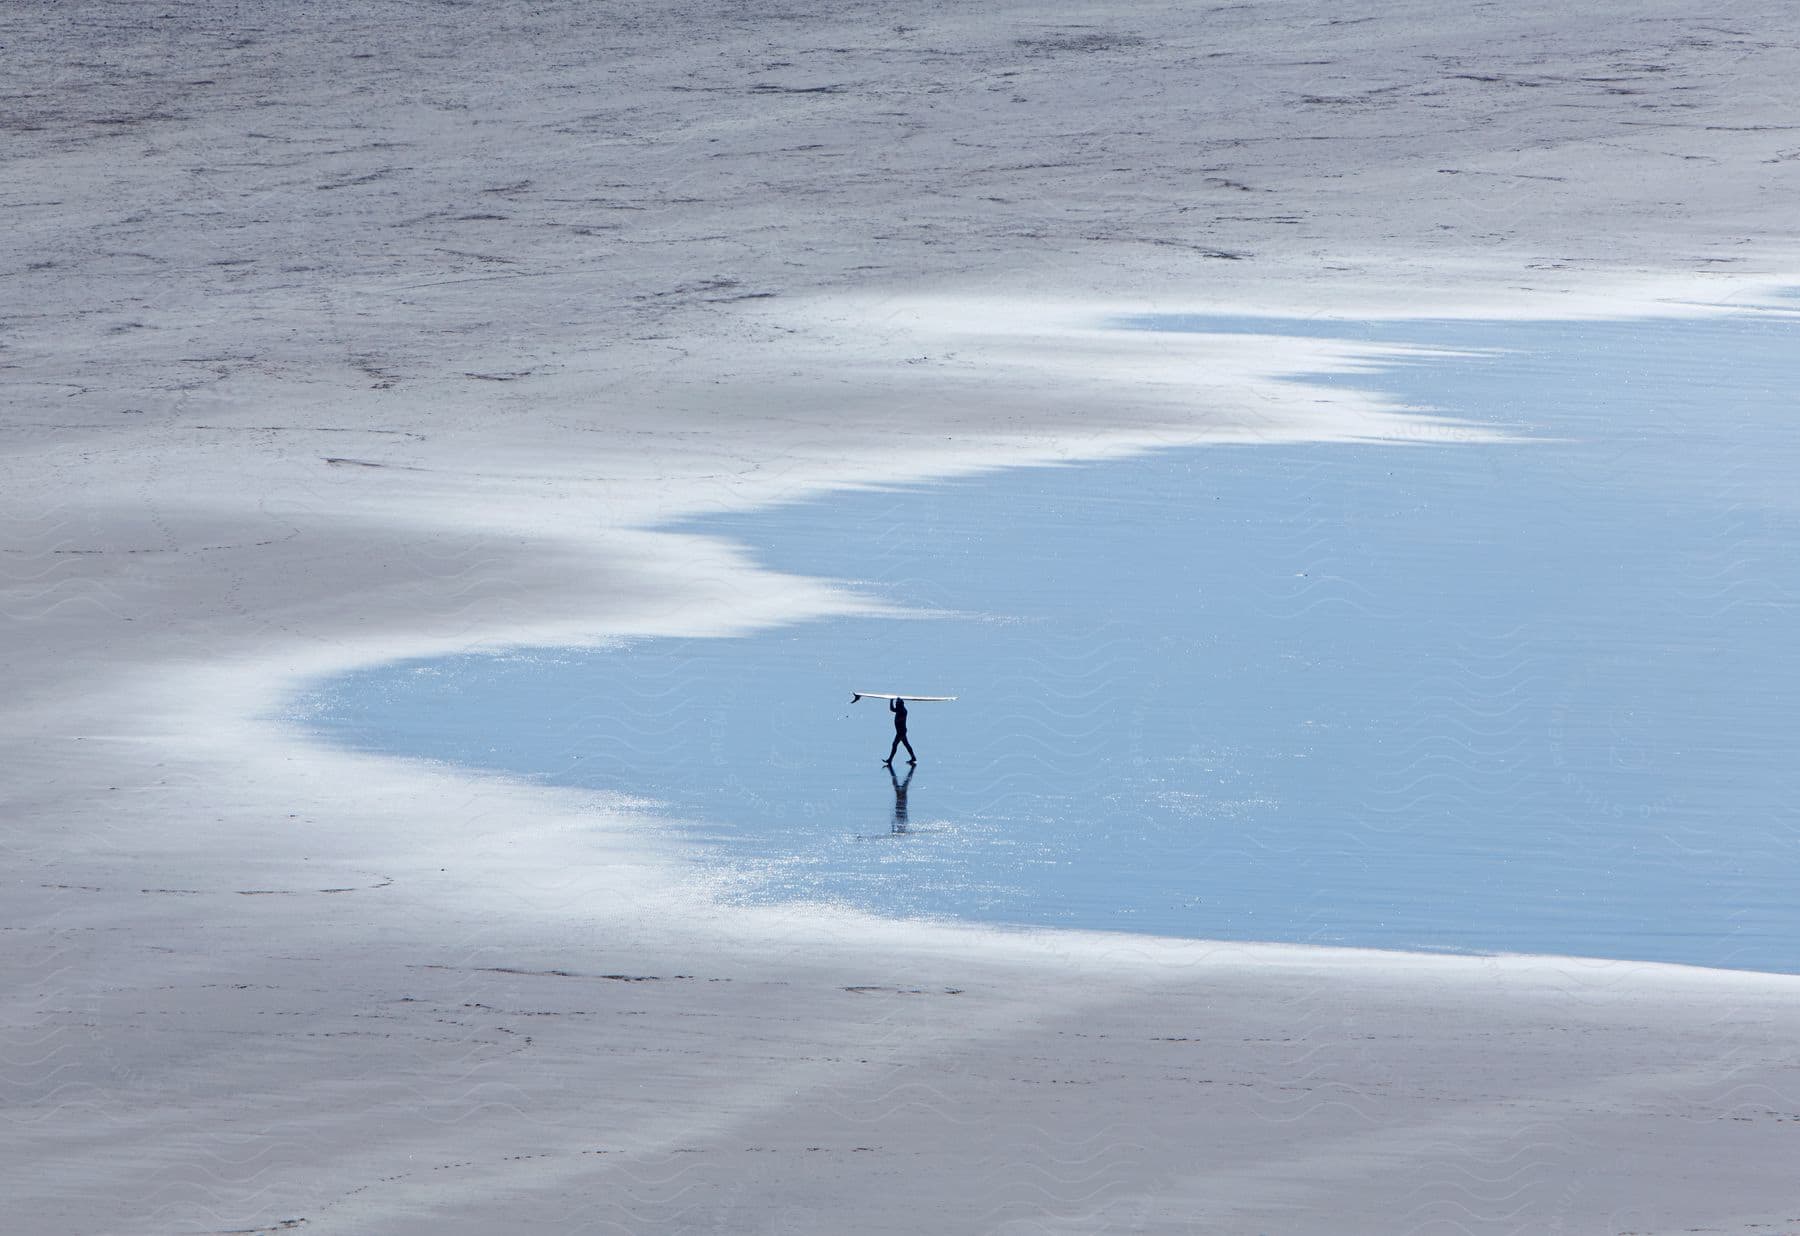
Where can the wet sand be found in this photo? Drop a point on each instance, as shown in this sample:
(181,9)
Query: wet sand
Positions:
(372,332)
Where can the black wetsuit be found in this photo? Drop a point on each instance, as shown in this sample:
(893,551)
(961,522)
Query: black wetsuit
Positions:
(898,708)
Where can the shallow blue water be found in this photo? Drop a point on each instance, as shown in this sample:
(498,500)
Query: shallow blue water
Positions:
(1532,697)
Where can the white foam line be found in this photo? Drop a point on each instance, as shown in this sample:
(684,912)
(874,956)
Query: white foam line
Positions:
(341,334)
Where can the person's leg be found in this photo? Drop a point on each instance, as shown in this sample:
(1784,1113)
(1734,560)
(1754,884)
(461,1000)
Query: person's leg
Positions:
(910,757)
(894,748)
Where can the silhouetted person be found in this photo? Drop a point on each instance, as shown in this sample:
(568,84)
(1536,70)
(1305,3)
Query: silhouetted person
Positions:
(898,708)
(899,797)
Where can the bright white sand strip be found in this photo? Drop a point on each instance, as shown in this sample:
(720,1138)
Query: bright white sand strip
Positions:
(374,330)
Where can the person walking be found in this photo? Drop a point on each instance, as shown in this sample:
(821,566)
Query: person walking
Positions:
(898,708)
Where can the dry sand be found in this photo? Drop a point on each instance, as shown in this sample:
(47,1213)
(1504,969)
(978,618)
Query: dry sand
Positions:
(346,332)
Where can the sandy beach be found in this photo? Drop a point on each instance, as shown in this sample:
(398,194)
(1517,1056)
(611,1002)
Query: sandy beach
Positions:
(356,332)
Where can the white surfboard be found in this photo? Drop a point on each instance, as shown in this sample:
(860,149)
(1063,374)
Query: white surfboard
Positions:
(911,699)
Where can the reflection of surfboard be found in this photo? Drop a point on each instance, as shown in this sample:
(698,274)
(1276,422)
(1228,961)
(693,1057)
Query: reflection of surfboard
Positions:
(911,699)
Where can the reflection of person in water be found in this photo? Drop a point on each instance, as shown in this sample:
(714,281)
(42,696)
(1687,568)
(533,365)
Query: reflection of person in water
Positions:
(898,708)
(899,797)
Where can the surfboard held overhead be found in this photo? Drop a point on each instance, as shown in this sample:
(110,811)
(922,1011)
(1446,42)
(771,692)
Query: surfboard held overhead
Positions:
(911,699)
